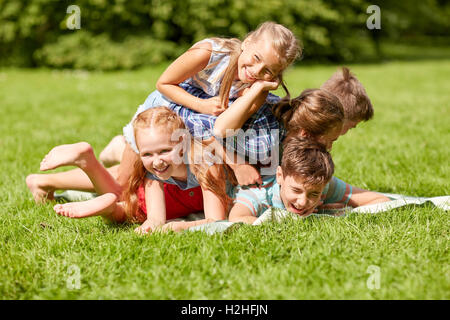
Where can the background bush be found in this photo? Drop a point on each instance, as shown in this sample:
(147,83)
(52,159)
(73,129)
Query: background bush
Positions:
(119,34)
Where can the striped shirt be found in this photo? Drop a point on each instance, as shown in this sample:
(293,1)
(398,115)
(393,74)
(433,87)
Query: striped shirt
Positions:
(259,200)
(210,78)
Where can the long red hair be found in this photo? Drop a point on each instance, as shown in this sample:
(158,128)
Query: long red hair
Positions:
(162,118)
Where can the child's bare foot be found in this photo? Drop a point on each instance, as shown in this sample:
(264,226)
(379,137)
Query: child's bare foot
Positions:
(67,155)
(103,205)
(112,154)
(41,192)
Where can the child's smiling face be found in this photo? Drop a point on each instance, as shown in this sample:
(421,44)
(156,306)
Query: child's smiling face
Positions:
(158,152)
(258,61)
(297,196)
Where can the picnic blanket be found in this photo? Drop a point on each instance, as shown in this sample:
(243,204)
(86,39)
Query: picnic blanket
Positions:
(277,215)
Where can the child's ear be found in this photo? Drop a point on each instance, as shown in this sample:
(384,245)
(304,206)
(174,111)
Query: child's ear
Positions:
(303,133)
(279,175)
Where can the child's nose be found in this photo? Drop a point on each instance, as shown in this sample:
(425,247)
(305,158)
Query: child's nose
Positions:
(301,201)
(157,160)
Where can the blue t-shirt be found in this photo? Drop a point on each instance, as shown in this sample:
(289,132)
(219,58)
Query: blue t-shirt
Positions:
(259,200)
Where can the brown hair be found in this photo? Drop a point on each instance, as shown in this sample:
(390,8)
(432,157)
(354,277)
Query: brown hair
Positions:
(307,159)
(315,110)
(165,119)
(283,41)
(351,92)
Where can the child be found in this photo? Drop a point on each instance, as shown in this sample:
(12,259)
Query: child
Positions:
(315,113)
(318,114)
(353,96)
(223,68)
(159,161)
(302,182)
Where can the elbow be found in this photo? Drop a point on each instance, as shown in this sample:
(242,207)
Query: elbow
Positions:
(159,85)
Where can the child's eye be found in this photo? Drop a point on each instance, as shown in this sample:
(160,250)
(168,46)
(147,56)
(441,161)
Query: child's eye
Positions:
(166,151)
(256,57)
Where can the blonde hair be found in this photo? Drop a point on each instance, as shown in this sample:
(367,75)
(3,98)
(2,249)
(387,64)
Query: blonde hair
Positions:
(162,118)
(283,40)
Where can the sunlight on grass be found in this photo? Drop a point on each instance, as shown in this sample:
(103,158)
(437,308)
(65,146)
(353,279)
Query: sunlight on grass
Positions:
(405,149)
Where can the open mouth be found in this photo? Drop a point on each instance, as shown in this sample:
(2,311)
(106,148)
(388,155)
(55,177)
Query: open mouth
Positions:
(161,170)
(296,210)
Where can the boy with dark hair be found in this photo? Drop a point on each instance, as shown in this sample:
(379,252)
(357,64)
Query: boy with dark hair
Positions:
(302,182)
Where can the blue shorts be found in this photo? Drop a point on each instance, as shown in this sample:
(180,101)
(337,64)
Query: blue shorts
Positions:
(155,99)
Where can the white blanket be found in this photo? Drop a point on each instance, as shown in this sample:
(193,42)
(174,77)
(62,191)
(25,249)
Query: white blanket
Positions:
(277,215)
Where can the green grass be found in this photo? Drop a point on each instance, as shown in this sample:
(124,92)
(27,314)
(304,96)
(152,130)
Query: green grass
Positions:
(405,149)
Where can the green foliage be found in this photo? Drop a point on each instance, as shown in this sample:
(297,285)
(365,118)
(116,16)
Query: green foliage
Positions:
(82,50)
(34,32)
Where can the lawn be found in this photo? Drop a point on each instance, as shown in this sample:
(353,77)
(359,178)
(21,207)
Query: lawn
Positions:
(404,149)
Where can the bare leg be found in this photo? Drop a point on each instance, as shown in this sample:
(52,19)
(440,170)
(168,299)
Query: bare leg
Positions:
(113,152)
(42,186)
(126,165)
(105,205)
(81,155)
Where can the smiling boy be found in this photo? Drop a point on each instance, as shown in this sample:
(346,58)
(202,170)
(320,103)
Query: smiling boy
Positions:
(302,182)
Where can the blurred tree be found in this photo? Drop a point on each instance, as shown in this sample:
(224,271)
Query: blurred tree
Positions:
(118,34)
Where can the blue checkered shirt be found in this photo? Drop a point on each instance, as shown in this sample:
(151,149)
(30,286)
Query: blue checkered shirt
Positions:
(259,135)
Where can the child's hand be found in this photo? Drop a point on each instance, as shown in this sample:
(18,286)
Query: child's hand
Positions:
(212,106)
(175,226)
(266,85)
(247,174)
(146,227)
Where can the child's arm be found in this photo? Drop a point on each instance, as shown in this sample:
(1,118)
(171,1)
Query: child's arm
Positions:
(212,206)
(185,66)
(241,213)
(245,173)
(341,194)
(156,206)
(243,107)
(361,197)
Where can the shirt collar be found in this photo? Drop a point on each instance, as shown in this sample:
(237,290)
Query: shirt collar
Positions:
(276,197)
